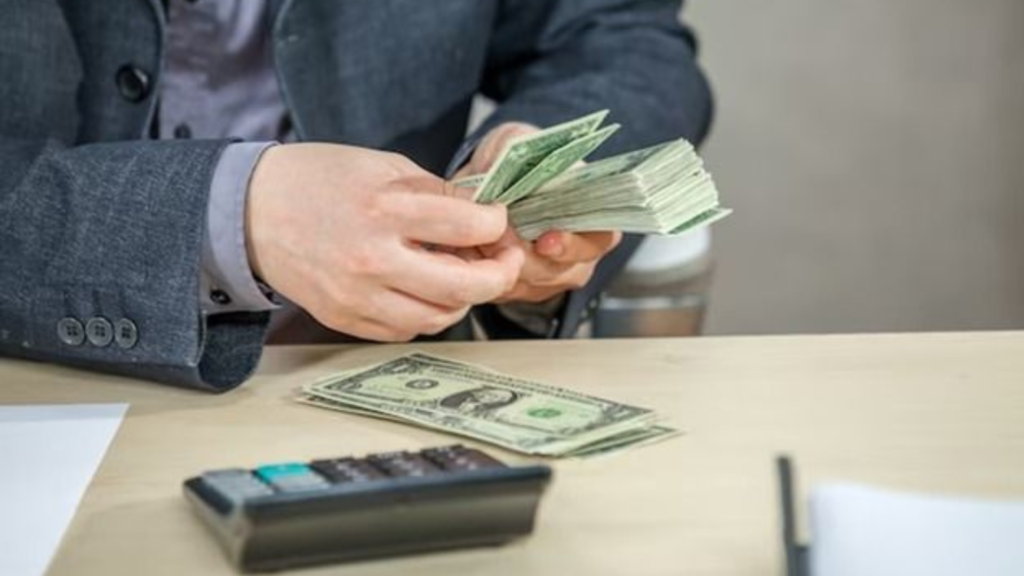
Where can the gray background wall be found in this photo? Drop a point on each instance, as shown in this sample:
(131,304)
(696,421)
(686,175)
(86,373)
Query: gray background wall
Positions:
(874,153)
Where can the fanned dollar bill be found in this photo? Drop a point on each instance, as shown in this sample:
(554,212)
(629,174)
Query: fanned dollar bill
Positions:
(631,439)
(663,189)
(476,402)
(524,153)
(554,164)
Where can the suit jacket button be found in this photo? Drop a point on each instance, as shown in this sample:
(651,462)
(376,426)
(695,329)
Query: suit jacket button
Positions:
(126,333)
(133,83)
(99,331)
(70,331)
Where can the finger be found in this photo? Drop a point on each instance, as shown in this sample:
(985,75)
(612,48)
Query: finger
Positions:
(383,314)
(447,280)
(428,183)
(540,271)
(550,244)
(463,192)
(531,294)
(361,327)
(495,141)
(444,220)
(466,170)
(540,290)
(507,240)
(468,254)
(405,314)
(368,329)
(569,248)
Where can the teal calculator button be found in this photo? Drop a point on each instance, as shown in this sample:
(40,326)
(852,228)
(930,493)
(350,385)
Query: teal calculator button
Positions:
(274,472)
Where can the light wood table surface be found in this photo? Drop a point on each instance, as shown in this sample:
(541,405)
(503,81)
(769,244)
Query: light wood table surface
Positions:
(935,412)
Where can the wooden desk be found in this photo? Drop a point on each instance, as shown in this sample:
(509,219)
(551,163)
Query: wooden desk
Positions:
(941,412)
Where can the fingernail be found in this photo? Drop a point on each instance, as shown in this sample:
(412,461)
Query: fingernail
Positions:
(552,246)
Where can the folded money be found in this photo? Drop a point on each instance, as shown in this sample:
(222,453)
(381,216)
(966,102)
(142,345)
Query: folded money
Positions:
(475,402)
(662,189)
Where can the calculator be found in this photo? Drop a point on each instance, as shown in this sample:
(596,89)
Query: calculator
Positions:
(292,514)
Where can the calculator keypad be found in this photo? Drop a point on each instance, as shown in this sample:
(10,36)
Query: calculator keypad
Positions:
(459,457)
(342,470)
(239,484)
(403,464)
(291,514)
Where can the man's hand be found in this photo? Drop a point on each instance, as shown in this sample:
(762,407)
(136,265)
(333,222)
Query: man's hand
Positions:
(556,261)
(346,233)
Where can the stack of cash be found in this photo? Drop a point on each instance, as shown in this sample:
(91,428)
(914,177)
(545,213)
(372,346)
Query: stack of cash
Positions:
(467,400)
(663,189)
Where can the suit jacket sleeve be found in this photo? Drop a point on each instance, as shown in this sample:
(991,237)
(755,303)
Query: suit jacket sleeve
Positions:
(114,232)
(553,61)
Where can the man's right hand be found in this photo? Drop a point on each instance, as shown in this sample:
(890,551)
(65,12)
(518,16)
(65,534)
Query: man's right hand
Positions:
(345,233)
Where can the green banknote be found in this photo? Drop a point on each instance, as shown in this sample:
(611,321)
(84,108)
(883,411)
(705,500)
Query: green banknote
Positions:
(322,402)
(605,168)
(556,163)
(634,438)
(659,190)
(473,181)
(630,439)
(524,153)
(662,189)
(471,401)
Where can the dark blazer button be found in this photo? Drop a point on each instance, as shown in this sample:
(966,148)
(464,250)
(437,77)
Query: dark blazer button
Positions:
(132,83)
(70,331)
(126,333)
(99,331)
(182,132)
(220,297)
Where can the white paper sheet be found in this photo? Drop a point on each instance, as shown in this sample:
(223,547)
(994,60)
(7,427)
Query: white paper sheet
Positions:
(862,531)
(48,455)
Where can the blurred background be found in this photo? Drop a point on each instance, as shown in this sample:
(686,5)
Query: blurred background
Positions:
(874,153)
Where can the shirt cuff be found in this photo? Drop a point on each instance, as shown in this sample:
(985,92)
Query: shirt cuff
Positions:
(226,281)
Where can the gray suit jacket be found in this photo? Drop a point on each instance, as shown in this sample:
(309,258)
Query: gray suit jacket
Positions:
(100,228)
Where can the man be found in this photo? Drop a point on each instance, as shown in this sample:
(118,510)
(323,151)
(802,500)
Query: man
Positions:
(147,213)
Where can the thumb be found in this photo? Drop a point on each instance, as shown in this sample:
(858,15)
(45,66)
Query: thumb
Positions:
(508,240)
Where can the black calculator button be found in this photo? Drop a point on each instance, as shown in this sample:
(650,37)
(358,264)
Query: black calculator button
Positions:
(402,464)
(342,470)
(458,457)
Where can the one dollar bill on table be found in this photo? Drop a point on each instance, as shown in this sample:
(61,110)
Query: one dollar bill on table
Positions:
(663,189)
(467,400)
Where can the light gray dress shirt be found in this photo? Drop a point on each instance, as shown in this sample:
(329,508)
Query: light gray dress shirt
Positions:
(219,82)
